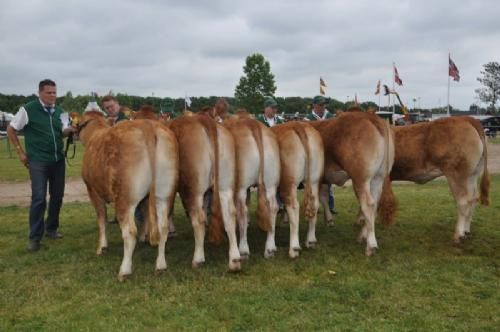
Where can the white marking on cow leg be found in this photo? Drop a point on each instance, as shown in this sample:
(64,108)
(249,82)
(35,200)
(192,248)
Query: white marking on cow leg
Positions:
(103,241)
(463,209)
(293,211)
(270,248)
(242,217)
(473,200)
(198,222)
(323,198)
(228,215)
(369,207)
(463,198)
(162,219)
(129,233)
(311,232)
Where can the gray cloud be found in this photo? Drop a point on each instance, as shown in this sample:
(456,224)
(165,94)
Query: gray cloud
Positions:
(198,48)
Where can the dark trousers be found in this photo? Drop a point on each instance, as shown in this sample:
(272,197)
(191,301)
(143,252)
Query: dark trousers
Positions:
(331,198)
(43,173)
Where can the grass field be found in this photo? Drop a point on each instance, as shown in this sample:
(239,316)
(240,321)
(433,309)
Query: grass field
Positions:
(11,169)
(417,281)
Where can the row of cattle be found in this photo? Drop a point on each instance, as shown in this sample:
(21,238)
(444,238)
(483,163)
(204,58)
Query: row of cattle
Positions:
(192,155)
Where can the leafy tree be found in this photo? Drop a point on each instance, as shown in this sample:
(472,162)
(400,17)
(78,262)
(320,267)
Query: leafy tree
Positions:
(491,81)
(256,83)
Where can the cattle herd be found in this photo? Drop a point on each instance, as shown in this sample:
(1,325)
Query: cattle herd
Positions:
(146,162)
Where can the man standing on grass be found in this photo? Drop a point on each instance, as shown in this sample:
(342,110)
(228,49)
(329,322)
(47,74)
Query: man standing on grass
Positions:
(44,126)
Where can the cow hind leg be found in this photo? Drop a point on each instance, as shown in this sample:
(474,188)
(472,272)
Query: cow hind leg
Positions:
(270,248)
(198,218)
(129,233)
(228,216)
(289,195)
(311,232)
(472,186)
(464,193)
(162,219)
(242,217)
(369,208)
(100,208)
(360,219)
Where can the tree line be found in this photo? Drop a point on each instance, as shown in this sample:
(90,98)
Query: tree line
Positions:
(257,83)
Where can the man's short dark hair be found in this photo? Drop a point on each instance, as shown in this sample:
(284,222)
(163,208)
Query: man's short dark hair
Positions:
(108,98)
(45,83)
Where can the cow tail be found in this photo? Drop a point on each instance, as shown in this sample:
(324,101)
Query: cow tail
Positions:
(216,226)
(309,210)
(387,204)
(154,234)
(263,204)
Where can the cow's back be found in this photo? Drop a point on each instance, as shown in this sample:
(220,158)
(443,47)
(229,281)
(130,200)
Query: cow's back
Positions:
(428,150)
(113,155)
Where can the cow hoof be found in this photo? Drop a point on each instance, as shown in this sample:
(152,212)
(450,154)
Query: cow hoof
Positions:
(293,254)
(371,251)
(361,239)
(102,251)
(235,265)
(122,277)
(330,223)
(244,255)
(196,265)
(269,253)
(311,244)
(171,235)
(160,271)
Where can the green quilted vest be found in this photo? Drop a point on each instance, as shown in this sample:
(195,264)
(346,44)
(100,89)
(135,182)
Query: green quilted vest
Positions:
(43,134)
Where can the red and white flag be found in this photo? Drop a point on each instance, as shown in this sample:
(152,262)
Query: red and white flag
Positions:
(397,79)
(453,70)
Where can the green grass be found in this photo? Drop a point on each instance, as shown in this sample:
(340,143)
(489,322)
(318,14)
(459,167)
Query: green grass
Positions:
(495,140)
(11,169)
(417,280)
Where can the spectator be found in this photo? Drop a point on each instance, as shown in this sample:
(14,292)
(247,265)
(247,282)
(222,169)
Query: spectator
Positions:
(269,118)
(113,109)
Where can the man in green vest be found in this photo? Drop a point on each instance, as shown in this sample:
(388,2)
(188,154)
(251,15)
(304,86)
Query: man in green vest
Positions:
(269,118)
(44,125)
(319,112)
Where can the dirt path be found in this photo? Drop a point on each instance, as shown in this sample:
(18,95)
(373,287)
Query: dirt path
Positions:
(20,193)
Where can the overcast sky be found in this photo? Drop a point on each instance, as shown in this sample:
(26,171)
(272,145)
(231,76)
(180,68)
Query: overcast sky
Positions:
(173,48)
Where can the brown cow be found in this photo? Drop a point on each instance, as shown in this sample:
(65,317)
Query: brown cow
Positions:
(302,160)
(360,146)
(257,163)
(454,147)
(122,165)
(206,149)
(145,112)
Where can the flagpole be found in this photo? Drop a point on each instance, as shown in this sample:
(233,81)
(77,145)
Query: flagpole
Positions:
(393,87)
(379,93)
(448,109)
